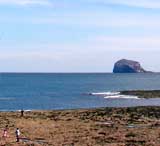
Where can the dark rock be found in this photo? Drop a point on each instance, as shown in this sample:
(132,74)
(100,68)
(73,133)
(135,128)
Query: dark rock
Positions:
(128,66)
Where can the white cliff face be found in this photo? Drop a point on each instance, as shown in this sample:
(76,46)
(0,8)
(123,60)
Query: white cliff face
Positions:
(128,66)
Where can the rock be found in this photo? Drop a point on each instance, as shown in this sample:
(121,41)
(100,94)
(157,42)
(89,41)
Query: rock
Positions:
(128,66)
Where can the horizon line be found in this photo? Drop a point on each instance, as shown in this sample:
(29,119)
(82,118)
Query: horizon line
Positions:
(69,73)
(53,72)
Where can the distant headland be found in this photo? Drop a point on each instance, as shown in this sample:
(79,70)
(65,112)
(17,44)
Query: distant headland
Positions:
(128,66)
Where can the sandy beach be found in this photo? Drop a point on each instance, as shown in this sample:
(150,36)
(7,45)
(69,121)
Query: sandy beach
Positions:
(91,127)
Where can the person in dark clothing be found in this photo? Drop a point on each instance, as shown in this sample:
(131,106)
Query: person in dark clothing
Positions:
(22,113)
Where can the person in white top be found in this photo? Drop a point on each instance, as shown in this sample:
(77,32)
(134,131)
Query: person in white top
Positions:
(17,134)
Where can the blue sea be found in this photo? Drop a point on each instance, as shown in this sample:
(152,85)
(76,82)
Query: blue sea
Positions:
(49,91)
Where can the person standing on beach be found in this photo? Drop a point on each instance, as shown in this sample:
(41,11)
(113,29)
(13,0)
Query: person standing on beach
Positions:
(5,132)
(17,134)
(22,113)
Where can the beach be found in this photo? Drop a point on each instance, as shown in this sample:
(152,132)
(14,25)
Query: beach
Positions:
(108,126)
(80,73)
(84,127)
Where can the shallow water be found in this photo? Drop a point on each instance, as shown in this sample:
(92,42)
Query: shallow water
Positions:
(70,91)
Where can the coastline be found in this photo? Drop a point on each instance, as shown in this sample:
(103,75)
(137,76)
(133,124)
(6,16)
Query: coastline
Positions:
(97,126)
(94,126)
(142,93)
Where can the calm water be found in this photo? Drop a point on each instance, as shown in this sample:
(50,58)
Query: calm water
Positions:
(69,91)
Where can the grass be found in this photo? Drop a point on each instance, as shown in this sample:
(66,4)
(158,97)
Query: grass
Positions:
(84,127)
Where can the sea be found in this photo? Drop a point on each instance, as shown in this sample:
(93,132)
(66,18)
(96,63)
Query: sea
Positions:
(52,91)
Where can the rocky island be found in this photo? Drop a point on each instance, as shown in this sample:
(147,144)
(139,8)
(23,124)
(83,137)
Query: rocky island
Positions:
(128,66)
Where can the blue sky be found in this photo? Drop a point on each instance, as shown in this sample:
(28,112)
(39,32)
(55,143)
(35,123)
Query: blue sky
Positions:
(78,35)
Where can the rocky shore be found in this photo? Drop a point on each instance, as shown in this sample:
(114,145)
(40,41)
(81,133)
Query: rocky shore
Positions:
(143,93)
(136,126)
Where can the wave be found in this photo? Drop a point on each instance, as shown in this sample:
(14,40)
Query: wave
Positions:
(114,95)
(105,93)
(27,110)
(121,97)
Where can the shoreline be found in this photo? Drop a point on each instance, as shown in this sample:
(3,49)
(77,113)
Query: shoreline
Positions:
(142,93)
(96,126)
(135,94)
(139,125)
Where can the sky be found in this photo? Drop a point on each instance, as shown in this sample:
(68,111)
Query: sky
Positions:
(78,35)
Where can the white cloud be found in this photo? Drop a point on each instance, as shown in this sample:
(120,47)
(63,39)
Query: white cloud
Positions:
(92,20)
(98,19)
(132,3)
(87,18)
(93,55)
(126,43)
(25,2)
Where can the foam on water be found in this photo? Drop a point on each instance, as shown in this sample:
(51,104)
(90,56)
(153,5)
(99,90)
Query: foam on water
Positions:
(114,95)
(105,93)
(121,97)
(27,110)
